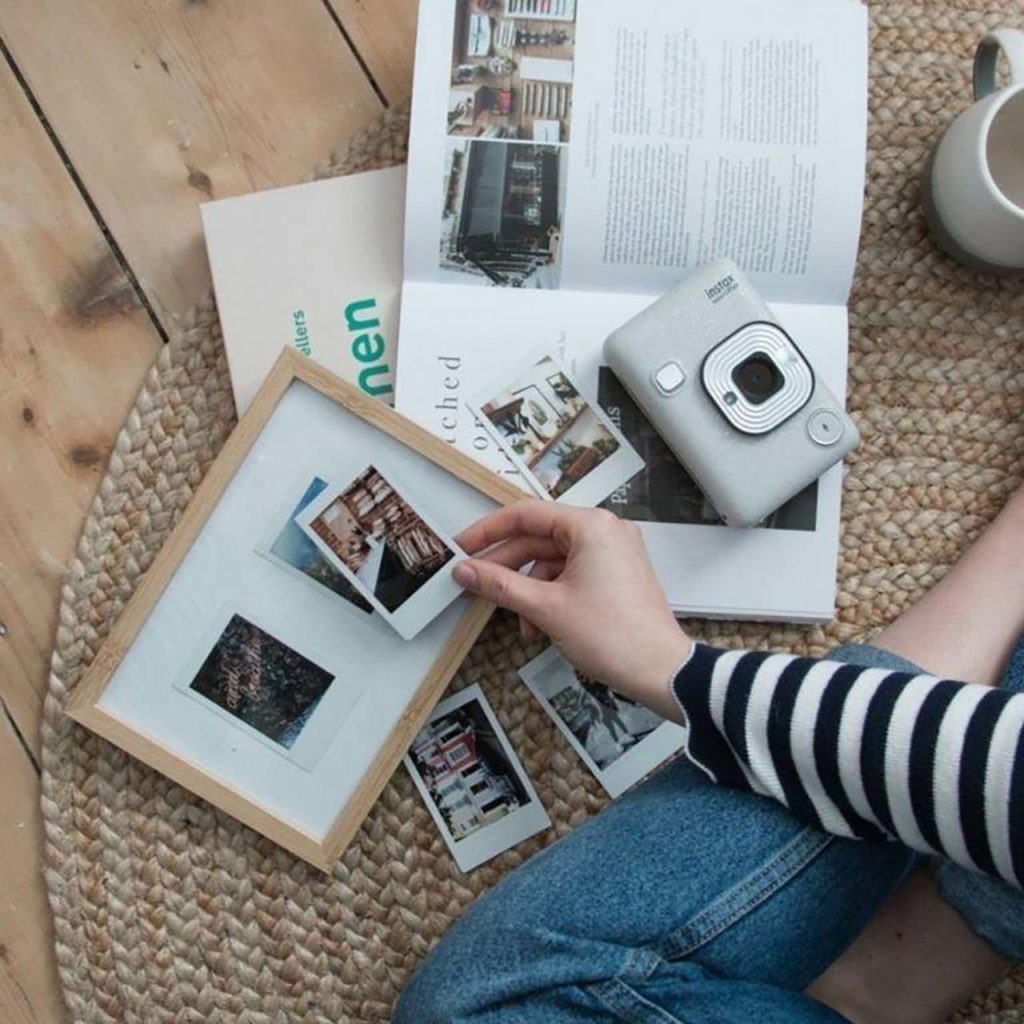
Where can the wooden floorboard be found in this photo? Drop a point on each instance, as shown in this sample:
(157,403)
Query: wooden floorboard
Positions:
(74,348)
(29,993)
(122,117)
(384,34)
(161,105)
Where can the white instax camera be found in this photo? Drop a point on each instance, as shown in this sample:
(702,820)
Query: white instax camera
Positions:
(730,393)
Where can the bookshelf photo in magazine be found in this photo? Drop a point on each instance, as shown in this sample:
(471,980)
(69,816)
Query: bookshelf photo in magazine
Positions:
(690,137)
(512,70)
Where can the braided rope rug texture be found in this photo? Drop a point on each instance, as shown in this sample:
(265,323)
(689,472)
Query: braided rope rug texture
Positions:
(168,910)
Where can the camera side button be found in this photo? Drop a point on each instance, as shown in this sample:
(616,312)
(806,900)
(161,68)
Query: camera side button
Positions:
(670,378)
(824,427)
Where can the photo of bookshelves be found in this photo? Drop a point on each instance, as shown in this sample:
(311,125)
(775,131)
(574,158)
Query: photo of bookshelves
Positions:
(502,213)
(512,70)
(381,539)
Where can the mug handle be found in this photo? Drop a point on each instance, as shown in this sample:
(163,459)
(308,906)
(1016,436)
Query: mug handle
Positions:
(1011,42)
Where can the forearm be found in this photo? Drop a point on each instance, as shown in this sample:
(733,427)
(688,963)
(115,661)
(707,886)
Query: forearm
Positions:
(865,752)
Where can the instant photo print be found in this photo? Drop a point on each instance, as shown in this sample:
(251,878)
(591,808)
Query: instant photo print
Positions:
(400,561)
(260,683)
(287,546)
(472,782)
(564,445)
(247,666)
(619,740)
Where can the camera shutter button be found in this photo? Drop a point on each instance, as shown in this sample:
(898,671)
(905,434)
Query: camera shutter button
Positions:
(824,427)
(670,378)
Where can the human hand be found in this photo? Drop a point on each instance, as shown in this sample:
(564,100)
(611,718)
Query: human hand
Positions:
(592,590)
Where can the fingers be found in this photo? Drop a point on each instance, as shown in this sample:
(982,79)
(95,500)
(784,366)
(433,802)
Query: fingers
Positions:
(534,518)
(520,551)
(506,587)
(545,571)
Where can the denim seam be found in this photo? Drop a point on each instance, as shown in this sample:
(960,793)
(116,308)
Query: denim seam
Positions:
(743,897)
(640,962)
(624,1001)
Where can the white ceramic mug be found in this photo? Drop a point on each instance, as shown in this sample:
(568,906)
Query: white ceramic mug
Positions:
(973,186)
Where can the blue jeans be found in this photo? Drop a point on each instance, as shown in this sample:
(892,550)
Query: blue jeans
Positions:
(681,903)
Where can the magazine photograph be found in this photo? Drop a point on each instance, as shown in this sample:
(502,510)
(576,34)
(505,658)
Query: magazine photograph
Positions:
(290,549)
(472,781)
(619,740)
(501,220)
(511,78)
(565,446)
(663,492)
(390,552)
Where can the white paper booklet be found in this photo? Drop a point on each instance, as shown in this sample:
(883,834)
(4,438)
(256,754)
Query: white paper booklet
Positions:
(584,154)
(315,266)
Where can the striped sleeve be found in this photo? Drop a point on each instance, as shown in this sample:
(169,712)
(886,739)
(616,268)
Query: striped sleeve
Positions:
(865,752)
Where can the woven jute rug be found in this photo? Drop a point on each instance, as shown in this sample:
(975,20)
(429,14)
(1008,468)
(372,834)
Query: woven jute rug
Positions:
(167,910)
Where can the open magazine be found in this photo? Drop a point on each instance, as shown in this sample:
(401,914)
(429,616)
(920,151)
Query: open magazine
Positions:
(569,160)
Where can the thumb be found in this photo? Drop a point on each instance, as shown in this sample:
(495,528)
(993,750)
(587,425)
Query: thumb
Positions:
(505,587)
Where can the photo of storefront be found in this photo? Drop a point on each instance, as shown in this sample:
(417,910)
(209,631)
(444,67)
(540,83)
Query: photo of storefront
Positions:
(464,768)
(502,215)
(292,548)
(512,70)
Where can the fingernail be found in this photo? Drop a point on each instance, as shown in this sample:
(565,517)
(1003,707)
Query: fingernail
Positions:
(465,575)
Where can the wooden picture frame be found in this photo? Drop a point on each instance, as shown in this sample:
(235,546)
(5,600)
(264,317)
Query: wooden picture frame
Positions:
(85,705)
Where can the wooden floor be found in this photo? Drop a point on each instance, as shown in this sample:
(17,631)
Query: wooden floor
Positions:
(117,117)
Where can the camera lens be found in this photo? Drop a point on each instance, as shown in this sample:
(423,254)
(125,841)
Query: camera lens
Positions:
(758,378)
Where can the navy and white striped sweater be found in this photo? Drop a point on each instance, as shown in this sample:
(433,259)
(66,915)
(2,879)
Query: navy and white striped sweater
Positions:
(865,752)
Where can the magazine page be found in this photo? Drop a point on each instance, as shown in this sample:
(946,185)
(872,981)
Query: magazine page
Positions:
(785,569)
(282,279)
(603,146)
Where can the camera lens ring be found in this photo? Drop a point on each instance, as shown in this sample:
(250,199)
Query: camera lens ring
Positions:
(716,377)
(758,377)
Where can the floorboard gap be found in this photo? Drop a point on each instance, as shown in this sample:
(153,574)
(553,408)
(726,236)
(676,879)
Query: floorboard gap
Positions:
(82,190)
(17,732)
(333,15)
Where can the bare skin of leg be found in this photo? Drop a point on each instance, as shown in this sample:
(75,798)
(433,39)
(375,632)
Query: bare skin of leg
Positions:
(917,961)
